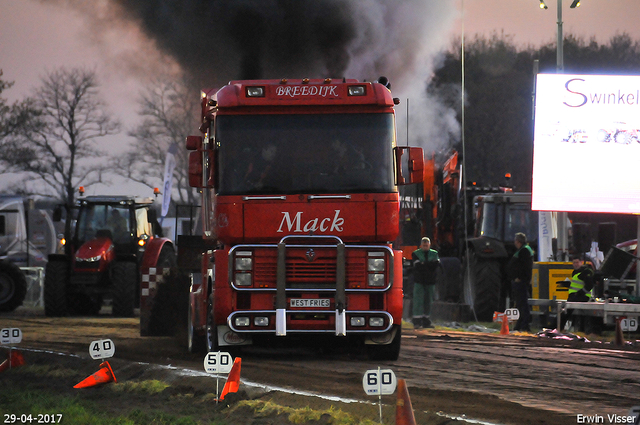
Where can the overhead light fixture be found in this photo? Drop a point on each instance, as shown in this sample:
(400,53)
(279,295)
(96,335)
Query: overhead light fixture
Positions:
(542,5)
(575,4)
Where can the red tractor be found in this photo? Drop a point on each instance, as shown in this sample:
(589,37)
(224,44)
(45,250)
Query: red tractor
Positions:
(114,237)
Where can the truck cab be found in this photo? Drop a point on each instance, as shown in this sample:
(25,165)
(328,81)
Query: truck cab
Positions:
(299,189)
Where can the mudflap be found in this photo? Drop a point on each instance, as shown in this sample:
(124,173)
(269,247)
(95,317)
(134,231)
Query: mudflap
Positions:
(227,338)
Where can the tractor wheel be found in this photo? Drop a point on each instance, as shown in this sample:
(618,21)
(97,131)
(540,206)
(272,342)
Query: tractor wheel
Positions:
(167,258)
(125,284)
(482,282)
(389,352)
(448,281)
(164,316)
(195,341)
(55,289)
(13,286)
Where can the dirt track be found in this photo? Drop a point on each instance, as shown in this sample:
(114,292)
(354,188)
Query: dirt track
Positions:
(499,379)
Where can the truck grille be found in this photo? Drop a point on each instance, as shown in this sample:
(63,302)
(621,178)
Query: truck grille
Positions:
(303,273)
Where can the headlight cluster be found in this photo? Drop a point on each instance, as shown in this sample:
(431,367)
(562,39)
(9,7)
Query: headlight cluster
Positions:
(374,322)
(244,321)
(376,267)
(90,259)
(243,267)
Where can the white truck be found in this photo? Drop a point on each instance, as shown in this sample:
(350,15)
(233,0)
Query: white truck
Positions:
(27,236)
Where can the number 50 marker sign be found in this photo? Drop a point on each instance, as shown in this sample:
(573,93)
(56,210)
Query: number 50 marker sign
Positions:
(379,382)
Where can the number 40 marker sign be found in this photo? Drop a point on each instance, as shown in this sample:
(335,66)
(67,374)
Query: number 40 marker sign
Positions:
(102,349)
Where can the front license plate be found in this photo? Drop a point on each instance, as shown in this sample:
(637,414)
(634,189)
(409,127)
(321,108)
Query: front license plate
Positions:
(310,302)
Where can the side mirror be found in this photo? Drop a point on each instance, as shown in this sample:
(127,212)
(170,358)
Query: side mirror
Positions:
(409,165)
(196,168)
(193,142)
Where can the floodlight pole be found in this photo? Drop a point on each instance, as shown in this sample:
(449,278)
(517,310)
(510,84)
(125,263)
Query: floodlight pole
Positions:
(560,45)
(563,232)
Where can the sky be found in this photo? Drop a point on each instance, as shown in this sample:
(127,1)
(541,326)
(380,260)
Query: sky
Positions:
(37,36)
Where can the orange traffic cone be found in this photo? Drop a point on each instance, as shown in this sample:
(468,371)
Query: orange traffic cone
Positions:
(404,410)
(14,359)
(504,330)
(103,376)
(619,334)
(233,380)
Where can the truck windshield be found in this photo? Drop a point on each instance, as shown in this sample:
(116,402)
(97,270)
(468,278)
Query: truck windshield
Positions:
(503,221)
(287,154)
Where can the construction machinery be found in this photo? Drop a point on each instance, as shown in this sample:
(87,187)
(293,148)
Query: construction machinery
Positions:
(472,229)
(109,239)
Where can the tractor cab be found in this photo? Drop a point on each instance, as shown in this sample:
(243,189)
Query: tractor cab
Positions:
(500,216)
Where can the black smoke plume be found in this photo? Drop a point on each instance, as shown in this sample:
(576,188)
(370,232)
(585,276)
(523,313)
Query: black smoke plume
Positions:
(215,41)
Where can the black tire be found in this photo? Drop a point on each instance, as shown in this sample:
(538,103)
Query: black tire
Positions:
(211,331)
(167,257)
(482,286)
(195,341)
(389,352)
(13,286)
(449,280)
(165,314)
(124,278)
(55,289)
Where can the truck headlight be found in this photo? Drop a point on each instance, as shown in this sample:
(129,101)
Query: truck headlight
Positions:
(261,321)
(244,263)
(376,322)
(376,279)
(375,264)
(243,279)
(357,321)
(242,321)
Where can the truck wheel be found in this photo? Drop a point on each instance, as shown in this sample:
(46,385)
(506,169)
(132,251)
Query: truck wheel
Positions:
(389,352)
(195,341)
(55,289)
(125,284)
(482,281)
(211,331)
(13,286)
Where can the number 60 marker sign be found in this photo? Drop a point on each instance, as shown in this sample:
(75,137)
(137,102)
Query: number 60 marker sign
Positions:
(379,382)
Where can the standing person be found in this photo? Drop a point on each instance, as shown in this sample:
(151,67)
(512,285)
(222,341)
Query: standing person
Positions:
(520,267)
(425,263)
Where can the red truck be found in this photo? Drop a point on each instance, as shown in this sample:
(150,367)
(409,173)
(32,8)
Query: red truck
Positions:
(299,180)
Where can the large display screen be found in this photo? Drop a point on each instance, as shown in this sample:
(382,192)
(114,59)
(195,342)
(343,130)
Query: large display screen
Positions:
(586,152)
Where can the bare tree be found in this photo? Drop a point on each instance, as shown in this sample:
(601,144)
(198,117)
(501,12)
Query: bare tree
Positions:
(170,111)
(57,143)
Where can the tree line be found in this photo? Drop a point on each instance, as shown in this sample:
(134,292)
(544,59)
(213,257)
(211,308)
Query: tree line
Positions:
(55,137)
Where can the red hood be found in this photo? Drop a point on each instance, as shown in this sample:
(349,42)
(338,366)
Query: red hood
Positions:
(102,247)
(360,218)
